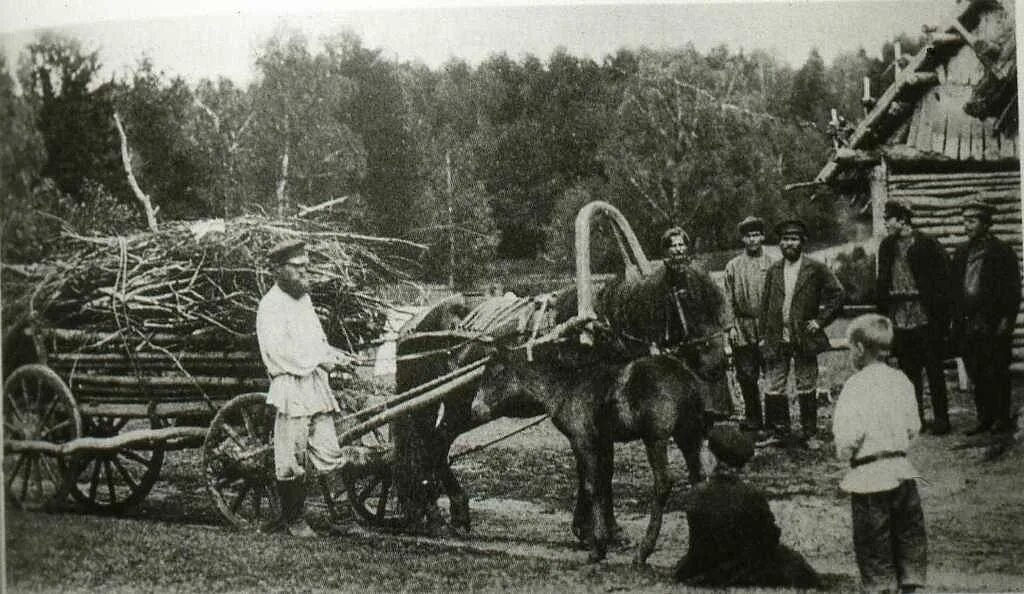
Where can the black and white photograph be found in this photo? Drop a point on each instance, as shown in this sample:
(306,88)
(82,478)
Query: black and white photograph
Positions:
(486,296)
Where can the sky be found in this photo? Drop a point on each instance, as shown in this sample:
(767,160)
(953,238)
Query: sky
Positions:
(214,38)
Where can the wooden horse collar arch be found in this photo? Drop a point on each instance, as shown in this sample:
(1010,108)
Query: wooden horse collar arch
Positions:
(633,257)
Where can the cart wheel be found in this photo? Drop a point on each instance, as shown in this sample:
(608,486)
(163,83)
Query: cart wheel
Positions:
(238,461)
(37,405)
(109,483)
(371,491)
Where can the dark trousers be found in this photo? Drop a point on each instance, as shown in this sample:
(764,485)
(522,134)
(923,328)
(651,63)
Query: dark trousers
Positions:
(749,363)
(889,538)
(921,349)
(987,359)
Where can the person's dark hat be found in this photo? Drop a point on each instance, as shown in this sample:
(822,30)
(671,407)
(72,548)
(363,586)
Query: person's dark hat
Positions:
(730,445)
(791,226)
(289,251)
(750,224)
(979,208)
(897,208)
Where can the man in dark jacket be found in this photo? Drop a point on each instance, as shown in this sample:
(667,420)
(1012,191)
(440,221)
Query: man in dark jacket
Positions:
(986,276)
(913,291)
(801,297)
(734,540)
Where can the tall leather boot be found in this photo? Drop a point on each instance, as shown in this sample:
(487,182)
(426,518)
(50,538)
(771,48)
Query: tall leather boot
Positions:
(776,409)
(751,406)
(808,402)
(293,502)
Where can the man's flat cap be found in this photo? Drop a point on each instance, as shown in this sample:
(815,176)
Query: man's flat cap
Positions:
(751,224)
(730,445)
(289,251)
(790,227)
(898,209)
(977,206)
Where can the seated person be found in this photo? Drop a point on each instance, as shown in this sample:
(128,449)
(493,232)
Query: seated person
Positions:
(734,540)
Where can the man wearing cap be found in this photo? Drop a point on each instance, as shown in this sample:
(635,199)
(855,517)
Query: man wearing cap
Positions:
(295,350)
(913,290)
(744,285)
(986,278)
(734,540)
(801,297)
(694,312)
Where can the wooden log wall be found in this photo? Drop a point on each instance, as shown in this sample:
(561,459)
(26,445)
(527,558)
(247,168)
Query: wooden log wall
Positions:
(937,198)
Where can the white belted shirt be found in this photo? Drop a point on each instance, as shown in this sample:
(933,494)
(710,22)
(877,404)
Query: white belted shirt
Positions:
(876,415)
(293,344)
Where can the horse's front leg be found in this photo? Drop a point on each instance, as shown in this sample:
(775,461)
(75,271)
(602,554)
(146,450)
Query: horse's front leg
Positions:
(581,513)
(607,463)
(657,456)
(597,537)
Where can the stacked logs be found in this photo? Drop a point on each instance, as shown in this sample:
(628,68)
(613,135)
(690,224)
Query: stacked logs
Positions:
(937,198)
(195,287)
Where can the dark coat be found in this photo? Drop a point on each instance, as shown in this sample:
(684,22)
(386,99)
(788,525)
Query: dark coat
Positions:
(930,268)
(816,296)
(1000,285)
(734,540)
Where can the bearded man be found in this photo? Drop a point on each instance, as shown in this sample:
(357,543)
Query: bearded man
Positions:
(295,350)
(801,297)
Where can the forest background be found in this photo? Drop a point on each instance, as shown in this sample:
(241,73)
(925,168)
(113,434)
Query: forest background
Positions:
(482,163)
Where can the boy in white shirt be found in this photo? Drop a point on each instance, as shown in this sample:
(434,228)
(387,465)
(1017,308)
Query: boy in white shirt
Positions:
(874,421)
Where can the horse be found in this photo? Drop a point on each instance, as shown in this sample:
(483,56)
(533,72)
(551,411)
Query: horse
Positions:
(425,351)
(595,402)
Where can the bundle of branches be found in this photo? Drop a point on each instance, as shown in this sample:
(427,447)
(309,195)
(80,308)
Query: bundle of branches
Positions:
(199,284)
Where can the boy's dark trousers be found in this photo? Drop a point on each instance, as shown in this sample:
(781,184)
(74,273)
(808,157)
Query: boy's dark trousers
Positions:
(889,538)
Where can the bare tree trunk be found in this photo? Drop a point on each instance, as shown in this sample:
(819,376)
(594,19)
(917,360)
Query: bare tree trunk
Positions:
(282,196)
(147,204)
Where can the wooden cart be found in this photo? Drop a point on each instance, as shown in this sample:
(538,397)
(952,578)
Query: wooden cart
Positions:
(94,419)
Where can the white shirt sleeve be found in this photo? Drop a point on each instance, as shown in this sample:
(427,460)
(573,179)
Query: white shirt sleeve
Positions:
(847,423)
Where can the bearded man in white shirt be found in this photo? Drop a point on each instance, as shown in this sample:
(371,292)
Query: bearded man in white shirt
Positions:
(298,358)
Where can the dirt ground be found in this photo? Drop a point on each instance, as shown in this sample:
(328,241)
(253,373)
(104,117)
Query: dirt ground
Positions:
(974,509)
(522,494)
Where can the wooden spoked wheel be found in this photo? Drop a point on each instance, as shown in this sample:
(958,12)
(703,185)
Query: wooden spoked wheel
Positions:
(238,462)
(38,406)
(115,481)
(371,490)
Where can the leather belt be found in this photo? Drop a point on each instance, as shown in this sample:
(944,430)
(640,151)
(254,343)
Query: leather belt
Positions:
(883,455)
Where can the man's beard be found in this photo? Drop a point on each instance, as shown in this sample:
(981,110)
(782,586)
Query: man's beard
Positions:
(791,254)
(754,250)
(294,288)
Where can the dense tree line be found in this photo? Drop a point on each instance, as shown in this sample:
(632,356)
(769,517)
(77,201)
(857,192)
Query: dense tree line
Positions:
(476,161)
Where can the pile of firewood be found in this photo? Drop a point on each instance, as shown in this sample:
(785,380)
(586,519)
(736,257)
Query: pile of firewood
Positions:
(202,282)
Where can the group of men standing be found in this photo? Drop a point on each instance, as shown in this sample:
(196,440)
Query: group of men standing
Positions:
(777,311)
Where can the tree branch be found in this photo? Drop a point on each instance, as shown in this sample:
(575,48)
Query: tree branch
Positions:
(147,205)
